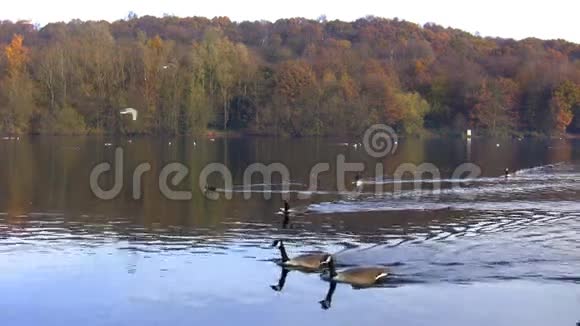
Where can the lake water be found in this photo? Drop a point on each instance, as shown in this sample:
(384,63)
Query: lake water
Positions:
(490,250)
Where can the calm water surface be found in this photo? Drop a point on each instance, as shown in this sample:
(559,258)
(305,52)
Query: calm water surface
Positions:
(493,251)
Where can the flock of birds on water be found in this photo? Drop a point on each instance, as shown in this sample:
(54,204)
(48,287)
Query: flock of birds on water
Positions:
(319,262)
(324,263)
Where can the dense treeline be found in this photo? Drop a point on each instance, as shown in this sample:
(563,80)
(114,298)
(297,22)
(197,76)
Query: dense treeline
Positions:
(293,77)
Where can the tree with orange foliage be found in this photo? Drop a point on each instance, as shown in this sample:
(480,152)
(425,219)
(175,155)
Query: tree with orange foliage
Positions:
(19,89)
(295,94)
(16,55)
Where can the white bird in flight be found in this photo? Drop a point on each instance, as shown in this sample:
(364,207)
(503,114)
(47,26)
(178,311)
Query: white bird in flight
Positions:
(130,111)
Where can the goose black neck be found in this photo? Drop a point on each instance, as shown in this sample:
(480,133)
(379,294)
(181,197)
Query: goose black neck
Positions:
(283,252)
(286,207)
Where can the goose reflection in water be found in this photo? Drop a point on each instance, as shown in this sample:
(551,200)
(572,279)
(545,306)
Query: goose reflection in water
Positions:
(281,281)
(324,304)
(327,302)
(285,221)
(286,225)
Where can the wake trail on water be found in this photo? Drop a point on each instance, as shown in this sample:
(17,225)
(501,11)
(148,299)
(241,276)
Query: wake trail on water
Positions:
(552,187)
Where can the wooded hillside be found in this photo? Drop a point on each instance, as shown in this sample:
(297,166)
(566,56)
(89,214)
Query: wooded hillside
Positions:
(294,76)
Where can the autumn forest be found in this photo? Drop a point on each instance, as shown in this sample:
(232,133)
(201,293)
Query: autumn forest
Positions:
(293,77)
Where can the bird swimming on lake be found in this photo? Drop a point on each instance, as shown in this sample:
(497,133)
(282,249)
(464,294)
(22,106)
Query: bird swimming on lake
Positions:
(209,188)
(356,276)
(358,181)
(286,210)
(507,173)
(306,262)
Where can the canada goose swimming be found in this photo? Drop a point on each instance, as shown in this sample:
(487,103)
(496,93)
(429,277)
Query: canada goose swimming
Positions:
(306,262)
(356,276)
(281,281)
(286,210)
(326,303)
